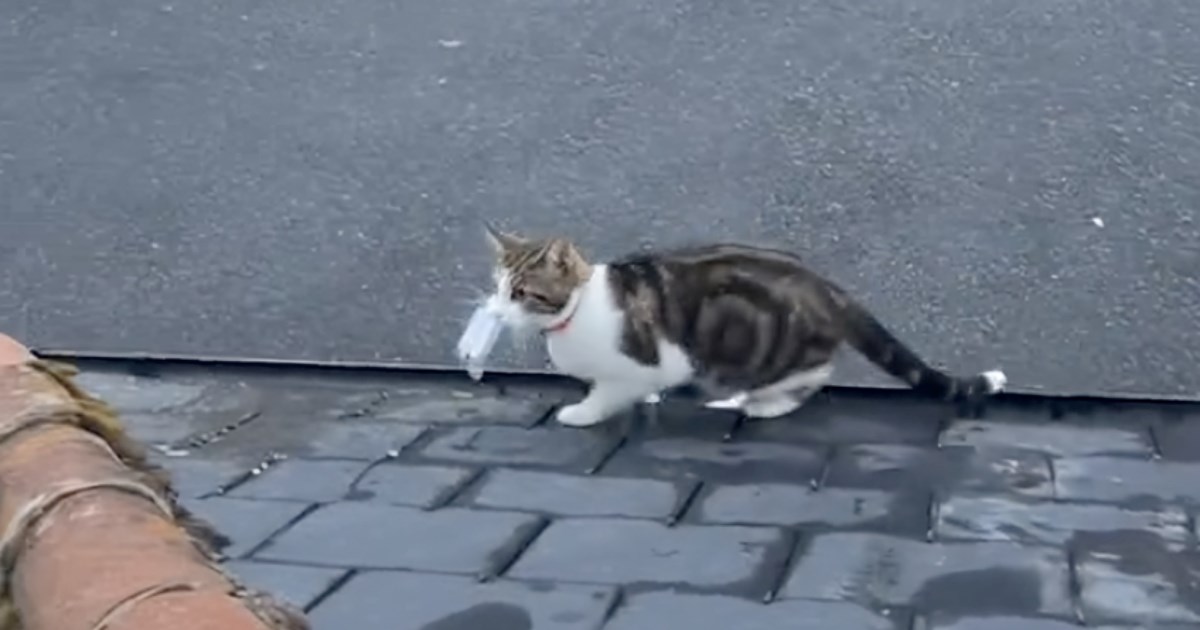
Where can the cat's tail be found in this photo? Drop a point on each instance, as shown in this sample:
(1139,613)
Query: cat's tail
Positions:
(867,335)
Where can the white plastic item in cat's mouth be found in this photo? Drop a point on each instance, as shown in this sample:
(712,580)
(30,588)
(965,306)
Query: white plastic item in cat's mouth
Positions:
(478,339)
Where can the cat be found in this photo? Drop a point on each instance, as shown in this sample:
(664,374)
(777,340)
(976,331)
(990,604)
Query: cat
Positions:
(751,324)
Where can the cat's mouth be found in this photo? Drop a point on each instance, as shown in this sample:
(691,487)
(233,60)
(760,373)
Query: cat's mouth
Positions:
(513,315)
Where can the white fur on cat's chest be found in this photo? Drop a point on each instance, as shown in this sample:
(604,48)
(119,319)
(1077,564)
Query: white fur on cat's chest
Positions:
(592,358)
(589,347)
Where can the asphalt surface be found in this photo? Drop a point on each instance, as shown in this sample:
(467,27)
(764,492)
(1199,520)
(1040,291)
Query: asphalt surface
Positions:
(404,502)
(1006,183)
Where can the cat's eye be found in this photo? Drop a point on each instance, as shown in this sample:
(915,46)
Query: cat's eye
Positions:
(518,293)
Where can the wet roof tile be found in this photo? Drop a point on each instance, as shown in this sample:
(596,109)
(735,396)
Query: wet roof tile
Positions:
(446,502)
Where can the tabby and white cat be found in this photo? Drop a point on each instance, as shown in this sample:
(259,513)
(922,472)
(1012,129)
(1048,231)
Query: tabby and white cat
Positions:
(750,324)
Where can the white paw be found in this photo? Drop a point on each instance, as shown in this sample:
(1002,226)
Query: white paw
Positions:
(653,399)
(577,415)
(733,402)
(772,407)
(996,381)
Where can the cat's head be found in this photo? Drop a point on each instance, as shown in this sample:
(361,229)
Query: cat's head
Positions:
(536,279)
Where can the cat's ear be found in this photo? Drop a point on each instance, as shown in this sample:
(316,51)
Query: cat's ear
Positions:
(499,240)
(565,255)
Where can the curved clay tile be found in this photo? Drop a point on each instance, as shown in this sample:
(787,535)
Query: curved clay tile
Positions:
(92,538)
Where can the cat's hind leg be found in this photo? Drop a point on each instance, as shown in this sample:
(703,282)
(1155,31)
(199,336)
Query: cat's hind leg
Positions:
(786,395)
(770,406)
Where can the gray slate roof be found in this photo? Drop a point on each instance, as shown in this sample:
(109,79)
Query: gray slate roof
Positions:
(423,501)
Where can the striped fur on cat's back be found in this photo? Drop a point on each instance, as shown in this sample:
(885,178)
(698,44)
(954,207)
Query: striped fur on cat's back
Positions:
(749,323)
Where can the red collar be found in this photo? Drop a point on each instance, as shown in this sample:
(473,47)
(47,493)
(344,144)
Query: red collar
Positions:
(562,324)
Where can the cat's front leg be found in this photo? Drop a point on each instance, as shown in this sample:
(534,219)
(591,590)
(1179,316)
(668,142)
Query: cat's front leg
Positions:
(605,399)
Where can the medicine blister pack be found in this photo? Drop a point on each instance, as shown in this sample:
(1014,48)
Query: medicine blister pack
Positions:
(477,341)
